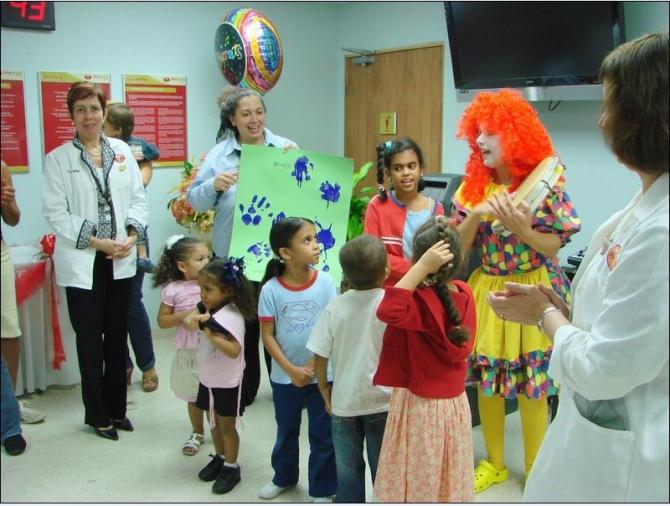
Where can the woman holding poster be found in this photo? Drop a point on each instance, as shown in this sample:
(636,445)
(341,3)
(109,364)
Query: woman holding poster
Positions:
(94,200)
(242,122)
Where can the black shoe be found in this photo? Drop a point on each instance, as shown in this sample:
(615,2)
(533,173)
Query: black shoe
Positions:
(107,433)
(15,445)
(123,425)
(227,479)
(211,470)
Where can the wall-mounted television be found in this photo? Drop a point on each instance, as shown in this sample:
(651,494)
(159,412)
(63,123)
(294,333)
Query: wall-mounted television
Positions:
(549,50)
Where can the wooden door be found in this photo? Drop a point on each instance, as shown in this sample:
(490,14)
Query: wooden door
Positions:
(408,82)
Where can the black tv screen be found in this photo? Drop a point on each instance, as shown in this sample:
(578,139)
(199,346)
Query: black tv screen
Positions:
(519,44)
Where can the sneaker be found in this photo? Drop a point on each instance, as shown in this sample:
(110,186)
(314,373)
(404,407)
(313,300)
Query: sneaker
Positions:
(227,479)
(211,470)
(323,499)
(270,491)
(30,415)
(15,445)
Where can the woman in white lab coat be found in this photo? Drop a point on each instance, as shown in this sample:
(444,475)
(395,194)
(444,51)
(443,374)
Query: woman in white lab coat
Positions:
(609,441)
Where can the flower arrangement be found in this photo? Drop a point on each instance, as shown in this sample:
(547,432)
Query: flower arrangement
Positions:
(182,211)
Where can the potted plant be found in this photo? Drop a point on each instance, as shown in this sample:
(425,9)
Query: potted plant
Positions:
(359,203)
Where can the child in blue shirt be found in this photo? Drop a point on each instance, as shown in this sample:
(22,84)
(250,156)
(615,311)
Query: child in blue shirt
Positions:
(291,300)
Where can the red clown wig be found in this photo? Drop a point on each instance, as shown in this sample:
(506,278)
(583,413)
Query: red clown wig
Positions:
(523,139)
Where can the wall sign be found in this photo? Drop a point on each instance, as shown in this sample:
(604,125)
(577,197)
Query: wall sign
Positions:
(159,104)
(14,150)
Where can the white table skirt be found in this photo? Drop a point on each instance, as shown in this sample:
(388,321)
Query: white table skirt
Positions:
(36,371)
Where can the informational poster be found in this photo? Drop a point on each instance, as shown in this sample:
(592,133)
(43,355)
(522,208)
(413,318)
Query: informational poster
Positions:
(274,184)
(57,126)
(159,104)
(14,149)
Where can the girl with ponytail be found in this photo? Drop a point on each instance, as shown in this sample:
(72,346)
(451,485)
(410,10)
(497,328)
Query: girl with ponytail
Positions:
(427,451)
(396,214)
(292,297)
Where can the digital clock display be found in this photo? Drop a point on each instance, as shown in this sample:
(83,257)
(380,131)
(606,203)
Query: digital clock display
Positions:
(31,15)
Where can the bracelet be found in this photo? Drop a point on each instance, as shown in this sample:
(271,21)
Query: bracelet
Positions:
(543,316)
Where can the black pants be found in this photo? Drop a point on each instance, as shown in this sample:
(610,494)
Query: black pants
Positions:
(100,321)
(252,373)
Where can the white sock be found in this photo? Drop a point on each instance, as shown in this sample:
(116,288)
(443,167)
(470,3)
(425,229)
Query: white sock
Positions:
(234,465)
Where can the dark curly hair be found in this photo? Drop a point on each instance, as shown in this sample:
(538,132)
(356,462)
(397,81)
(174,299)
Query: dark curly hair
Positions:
(167,270)
(244,293)
(434,230)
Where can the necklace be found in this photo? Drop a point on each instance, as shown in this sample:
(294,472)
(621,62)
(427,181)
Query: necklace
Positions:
(93,152)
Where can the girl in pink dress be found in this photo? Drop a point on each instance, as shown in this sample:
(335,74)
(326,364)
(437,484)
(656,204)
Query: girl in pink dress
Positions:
(177,274)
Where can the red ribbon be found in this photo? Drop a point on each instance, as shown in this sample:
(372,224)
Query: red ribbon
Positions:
(48,243)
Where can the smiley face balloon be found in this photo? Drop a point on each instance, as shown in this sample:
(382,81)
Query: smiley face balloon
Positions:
(248,50)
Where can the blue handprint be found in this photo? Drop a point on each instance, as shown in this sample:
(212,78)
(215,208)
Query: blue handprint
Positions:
(280,216)
(252,215)
(325,237)
(259,250)
(330,193)
(300,168)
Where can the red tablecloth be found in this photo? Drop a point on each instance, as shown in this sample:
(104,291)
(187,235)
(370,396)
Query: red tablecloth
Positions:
(28,279)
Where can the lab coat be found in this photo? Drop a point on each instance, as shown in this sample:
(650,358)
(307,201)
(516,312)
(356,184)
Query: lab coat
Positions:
(70,197)
(615,350)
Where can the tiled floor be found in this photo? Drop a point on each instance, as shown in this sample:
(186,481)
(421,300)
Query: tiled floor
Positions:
(66,462)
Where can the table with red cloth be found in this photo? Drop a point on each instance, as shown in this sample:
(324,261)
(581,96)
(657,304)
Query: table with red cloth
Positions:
(48,349)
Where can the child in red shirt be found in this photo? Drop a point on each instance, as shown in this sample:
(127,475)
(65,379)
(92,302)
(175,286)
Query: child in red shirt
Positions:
(427,453)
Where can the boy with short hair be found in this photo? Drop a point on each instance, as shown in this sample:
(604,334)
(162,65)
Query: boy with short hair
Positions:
(350,333)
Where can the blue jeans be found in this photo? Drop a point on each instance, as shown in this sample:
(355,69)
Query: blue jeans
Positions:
(11,414)
(139,328)
(348,435)
(288,401)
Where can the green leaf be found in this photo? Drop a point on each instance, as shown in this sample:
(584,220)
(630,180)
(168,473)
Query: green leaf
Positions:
(361,172)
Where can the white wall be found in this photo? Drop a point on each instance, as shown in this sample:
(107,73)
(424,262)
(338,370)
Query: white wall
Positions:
(307,104)
(177,38)
(597,183)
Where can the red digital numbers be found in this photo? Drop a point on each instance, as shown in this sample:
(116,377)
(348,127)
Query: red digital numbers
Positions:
(32,11)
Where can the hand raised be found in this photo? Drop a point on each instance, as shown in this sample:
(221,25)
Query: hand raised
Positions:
(435,257)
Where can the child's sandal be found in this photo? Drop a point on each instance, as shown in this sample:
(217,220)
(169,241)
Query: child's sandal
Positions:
(192,446)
